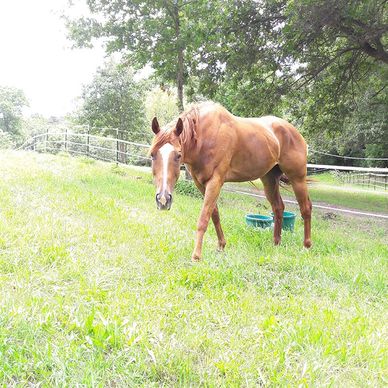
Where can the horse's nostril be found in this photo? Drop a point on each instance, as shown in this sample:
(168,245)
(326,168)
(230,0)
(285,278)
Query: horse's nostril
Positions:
(163,201)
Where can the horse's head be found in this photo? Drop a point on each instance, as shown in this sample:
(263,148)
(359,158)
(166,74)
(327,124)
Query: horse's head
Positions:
(166,156)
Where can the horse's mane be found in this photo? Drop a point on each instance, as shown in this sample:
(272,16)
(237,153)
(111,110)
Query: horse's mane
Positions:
(190,120)
(188,137)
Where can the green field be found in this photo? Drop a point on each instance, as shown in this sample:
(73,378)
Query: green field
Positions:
(97,288)
(329,189)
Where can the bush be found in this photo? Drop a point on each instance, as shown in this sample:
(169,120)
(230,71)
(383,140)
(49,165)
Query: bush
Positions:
(6,140)
(188,188)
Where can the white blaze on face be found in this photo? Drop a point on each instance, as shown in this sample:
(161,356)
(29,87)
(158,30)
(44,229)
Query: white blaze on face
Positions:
(165,151)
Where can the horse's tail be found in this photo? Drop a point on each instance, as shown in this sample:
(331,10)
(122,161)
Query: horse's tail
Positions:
(285,181)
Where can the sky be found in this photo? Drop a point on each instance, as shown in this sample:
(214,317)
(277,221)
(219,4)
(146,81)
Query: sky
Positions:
(36,56)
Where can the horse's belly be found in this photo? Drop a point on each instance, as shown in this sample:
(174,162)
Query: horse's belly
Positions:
(248,169)
(255,156)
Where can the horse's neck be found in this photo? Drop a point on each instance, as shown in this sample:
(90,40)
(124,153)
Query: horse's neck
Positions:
(191,151)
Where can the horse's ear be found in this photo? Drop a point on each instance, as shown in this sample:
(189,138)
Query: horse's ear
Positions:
(179,127)
(155,126)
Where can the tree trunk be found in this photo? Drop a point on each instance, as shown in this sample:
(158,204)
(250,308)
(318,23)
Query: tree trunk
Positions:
(180,64)
(180,79)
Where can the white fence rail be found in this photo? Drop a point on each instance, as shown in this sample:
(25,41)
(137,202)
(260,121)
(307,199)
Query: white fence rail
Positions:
(347,168)
(97,147)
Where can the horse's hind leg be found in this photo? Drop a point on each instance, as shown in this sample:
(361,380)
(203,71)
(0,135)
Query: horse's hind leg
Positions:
(300,189)
(271,189)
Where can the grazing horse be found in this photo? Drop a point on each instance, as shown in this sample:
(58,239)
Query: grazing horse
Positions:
(219,147)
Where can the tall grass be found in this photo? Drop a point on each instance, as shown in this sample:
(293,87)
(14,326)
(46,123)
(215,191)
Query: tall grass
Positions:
(97,288)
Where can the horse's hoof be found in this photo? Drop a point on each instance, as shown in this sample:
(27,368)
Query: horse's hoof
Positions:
(195,258)
(221,247)
(307,244)
(276,242)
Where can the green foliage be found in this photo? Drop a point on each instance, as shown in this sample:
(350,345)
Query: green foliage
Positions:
(162,104)
(156,32)
(186,187)
(12,102)
(6,140)
(114,100)
(36,124)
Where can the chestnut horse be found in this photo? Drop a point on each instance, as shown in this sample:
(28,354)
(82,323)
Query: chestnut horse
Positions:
(219,147)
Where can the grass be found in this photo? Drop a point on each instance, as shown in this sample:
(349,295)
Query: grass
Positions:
(97,288)
(327,188)
(330,189)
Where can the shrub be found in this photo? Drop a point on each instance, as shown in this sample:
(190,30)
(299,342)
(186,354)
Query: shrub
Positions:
(188,188)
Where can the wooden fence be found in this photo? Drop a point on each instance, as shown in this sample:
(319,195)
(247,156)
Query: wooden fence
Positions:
(369,180)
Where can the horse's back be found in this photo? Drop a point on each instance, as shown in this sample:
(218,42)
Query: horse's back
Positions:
(287,136)
(280,138)
(253,145)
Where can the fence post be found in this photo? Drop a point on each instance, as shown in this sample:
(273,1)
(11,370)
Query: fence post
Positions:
(46,140)
(66,139)
(87,143)
(117,145)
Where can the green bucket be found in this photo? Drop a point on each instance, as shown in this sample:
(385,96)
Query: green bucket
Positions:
(288,221)
(258,221)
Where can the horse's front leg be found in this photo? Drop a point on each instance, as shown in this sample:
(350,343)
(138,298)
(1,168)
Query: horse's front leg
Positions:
(215,217)
(212,191)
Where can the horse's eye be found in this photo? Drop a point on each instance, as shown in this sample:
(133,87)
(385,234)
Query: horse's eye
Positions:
(178,156)
(152,156)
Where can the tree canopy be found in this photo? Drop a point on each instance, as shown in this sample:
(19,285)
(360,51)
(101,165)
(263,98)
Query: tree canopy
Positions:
(157,32)
(114,100)
(12,102)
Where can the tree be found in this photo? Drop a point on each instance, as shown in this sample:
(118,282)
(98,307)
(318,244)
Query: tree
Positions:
(12,102)
(341,48)
(114,100)
(156,32)
(296,41)
(162,104)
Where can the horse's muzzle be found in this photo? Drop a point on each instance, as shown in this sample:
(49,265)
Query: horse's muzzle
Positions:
(163,201)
